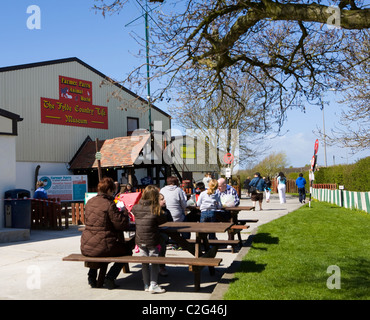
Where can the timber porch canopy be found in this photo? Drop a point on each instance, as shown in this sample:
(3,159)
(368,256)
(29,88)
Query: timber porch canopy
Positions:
(116,153)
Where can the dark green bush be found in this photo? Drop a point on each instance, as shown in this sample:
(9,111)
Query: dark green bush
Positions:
(354,177)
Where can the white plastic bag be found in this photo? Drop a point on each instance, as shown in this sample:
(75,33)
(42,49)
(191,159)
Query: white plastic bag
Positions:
(228,200)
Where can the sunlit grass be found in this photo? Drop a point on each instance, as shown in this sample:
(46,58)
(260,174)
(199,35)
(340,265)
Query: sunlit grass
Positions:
(290,256)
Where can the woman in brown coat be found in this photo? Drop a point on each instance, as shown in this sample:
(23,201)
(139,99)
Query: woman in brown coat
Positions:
(103,235)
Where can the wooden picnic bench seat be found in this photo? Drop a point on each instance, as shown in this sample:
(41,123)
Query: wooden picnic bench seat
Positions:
(195,264)
(247,221)
(218,243)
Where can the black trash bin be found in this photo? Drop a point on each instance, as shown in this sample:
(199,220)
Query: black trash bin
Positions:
(17,209)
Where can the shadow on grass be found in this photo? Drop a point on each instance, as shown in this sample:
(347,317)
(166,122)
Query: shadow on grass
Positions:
(262,238)
(355,280)
(243,267)
(251,266)
(248,266)
(265,238)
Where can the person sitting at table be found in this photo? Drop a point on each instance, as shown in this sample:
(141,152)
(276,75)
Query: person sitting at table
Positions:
(194,213)
(148,216)
(199,188)
(117,190)
(175,199)
(229,198)
(163,236)
(208,202)
(103,234)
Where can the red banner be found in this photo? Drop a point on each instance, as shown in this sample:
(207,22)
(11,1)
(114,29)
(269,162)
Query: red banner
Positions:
(70,114)
(74,107)
(75,90)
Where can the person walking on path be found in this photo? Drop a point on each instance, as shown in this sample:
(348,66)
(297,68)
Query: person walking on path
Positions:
(281,182)
(257,185)
(246,186)
(301,184)
(268,188)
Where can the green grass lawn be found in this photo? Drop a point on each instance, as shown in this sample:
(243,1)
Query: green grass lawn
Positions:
(290,256)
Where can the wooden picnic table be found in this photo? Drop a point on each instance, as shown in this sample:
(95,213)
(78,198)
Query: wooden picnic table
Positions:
(234,219)
(174,230)
(201,230)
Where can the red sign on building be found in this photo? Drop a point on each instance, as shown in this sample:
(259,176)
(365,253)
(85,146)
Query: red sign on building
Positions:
(74,107)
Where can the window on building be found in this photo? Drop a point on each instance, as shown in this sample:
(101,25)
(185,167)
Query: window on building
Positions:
(132,125)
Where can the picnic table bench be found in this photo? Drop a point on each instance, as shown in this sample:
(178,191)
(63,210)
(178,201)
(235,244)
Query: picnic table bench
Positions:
(101,263)
(174,230)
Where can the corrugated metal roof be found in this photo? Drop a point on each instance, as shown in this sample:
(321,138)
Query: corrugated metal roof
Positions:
(74,59)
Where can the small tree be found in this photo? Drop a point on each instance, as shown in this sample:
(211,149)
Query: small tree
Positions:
(272,164)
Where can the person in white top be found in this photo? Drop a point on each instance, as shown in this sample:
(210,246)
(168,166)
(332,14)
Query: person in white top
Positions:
(281,181)
(209,202)
(207,178)
(175,199)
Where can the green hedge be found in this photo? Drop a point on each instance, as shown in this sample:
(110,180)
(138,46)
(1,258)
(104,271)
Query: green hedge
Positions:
(354,177)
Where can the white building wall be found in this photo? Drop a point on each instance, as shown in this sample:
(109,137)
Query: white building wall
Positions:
(53,146)
(7,171)
(21,90)
(25,173)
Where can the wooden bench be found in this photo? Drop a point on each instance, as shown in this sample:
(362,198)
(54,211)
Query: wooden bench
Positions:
(218,243)
(195,264)
(235,229)
(244,221)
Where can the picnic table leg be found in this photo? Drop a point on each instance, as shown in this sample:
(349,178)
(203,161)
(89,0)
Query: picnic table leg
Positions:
(196,271)
(197,245)
(208,251)
(182,242)
(231,233)
(126,268)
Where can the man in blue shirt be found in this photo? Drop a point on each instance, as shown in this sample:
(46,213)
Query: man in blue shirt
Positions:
(225,190)
(301,182)
(229,198)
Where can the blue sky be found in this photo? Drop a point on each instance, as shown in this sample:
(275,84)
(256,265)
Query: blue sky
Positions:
(72,29)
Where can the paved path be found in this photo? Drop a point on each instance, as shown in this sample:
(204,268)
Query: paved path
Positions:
(34,269)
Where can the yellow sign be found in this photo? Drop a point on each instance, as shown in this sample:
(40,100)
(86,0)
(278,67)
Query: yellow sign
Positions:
(187,152)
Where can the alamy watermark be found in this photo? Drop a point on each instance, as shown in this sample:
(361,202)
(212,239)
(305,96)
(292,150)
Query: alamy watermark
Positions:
(34,20)
(333,22)
(206,146)
(333,281)
(34,278)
